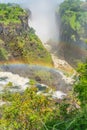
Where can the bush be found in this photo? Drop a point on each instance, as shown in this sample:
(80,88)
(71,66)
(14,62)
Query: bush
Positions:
(3,54)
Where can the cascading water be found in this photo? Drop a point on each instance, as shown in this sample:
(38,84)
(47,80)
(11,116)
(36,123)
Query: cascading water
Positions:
(44,22)
(43,17)
(16,78)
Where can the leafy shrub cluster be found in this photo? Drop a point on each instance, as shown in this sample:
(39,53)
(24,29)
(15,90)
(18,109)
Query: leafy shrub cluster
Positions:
(7,11)
(31,111)
(3,54)
(81,86)
(73,16)
(19,40)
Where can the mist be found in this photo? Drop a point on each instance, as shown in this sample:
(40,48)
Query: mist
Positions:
(43,17)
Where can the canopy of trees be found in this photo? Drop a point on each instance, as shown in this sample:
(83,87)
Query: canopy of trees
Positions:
(73,15)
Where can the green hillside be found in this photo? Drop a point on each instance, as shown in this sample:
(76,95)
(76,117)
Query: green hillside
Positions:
(17,40)
(73,15)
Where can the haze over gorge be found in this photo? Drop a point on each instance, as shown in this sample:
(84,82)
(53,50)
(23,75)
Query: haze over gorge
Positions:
(43,18)
(44,33)
(46,20)
(41,44)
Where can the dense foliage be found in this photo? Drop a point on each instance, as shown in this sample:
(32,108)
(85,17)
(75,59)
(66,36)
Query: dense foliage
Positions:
(17,39)
(73,15)
(81,85)
(10,13)
(3,54)
(27,111)
(31,111)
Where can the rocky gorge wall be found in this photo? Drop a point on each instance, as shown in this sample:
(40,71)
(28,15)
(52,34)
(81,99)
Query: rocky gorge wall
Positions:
(17,39)
(73,31)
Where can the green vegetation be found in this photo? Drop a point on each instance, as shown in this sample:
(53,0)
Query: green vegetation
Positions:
(18,40)
(10,13)
(32,111)
(27,111)
(73,20)
(32,82)
(81,86)
(3,54)
(33,51)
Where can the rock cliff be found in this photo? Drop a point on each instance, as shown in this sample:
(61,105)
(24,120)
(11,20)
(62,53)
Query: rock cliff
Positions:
(73,31)
(17,40)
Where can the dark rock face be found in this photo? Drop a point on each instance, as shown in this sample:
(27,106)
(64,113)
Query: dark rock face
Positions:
(72,53)
(15,29)
(24,21)
(73,31)
(14,24)
(20,41)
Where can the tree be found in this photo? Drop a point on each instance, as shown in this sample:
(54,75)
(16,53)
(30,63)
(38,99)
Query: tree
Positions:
(81,85)
(27,111)
(73,21)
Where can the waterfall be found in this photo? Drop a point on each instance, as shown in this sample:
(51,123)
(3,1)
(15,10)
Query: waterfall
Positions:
(43,17)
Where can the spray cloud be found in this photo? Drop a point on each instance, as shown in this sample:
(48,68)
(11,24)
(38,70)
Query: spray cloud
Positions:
(43,17)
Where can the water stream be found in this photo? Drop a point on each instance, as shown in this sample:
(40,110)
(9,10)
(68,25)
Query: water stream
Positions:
(43,21)
(16,78)
(49,76)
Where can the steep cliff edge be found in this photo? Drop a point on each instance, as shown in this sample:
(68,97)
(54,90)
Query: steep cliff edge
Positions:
(17,40)
(73,30)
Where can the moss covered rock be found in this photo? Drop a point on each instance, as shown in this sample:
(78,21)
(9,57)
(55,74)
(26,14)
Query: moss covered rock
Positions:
(73,30)
(19,40)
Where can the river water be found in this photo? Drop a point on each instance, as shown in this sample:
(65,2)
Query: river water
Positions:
(16,78)
(44,75)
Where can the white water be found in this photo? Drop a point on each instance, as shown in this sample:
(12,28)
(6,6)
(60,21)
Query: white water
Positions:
(43,21)
(20,84)
(15,79)
(58,94)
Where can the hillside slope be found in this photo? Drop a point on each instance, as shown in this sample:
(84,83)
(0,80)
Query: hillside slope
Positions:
(17,40)
(73,30)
